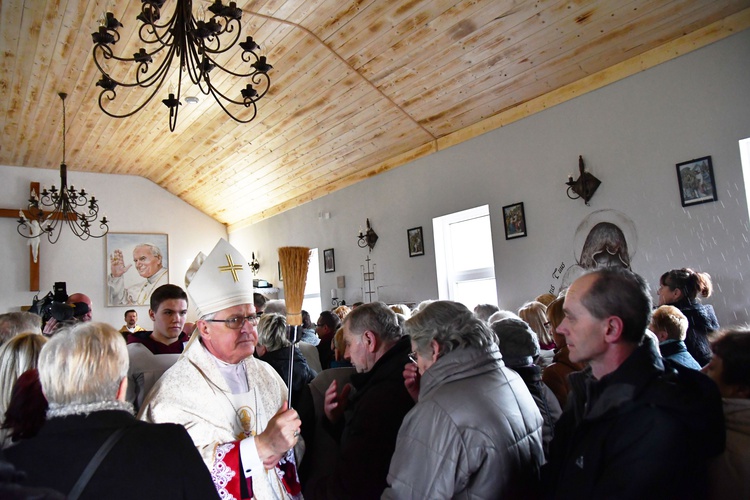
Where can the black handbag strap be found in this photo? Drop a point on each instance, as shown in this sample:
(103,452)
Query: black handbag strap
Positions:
(94,464)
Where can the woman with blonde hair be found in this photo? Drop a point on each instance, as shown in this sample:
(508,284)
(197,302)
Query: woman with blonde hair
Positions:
(535,314)
(342,311)
(17,355)
(546,299)
(401,309)
(272,336)
(338,344)
(555,376)
(680,288)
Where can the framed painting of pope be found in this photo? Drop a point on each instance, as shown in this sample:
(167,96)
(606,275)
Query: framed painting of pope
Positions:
(137,264)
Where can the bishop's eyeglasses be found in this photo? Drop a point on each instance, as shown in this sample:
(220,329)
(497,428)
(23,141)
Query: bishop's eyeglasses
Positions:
(236,322)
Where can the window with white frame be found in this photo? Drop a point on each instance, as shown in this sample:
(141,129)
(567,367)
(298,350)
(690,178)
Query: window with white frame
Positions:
(745,160)
(464,257)
(311,302)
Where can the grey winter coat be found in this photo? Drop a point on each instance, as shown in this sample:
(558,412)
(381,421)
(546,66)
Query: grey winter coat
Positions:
(474,433)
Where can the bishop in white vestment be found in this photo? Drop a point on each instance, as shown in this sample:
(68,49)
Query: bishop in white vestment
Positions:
(232,404)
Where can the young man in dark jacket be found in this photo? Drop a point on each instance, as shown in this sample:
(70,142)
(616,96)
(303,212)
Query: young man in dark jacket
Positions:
(636,426)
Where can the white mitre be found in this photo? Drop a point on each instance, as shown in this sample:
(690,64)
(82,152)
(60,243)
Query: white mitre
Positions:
(221,280)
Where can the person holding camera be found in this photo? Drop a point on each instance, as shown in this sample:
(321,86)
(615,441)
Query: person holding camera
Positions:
(77,308)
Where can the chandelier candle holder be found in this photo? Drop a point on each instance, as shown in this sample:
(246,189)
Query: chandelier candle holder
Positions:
(64,206)
(196,46)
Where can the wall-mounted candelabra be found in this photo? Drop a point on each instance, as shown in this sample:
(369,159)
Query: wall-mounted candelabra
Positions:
(585,186)
(367,238)
(254,265)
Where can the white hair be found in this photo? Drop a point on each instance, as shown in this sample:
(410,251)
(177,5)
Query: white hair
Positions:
(83,364)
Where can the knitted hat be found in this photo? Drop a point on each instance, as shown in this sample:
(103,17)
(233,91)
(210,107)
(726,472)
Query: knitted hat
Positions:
(517,341)
(219,281)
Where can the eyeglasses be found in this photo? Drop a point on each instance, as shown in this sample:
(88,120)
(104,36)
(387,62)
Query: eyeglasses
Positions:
(413,357)
(236,322)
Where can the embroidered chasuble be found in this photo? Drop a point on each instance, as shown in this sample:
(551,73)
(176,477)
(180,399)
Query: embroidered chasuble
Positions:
(194,393)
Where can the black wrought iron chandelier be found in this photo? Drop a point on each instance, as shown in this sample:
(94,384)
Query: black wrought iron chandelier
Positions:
(63,205)
(196,45)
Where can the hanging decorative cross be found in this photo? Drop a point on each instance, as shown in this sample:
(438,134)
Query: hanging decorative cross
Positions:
(13,213)
(368,277)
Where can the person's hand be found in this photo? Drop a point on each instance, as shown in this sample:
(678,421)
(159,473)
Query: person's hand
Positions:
(411,380)
(336,403)
(50,327)
(117,265)
(280,435)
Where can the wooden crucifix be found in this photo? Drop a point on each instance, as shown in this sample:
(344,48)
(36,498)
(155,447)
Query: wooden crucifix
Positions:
(12,213)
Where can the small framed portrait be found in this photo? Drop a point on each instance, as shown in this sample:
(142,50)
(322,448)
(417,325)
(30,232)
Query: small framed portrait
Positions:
(137,264)
(514,220)
(329,262)
(281,277)
(415,240)
(696,179)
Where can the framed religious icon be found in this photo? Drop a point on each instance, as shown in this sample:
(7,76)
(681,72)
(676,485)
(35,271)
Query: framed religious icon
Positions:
(416,242)
(329,263)
(137,264)
(514,219)
(696,179)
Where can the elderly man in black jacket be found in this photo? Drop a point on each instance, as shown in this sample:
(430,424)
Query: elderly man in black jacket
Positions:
(636,426)
(366,415)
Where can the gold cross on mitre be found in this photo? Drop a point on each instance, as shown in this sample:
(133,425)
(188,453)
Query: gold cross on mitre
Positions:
(231,267)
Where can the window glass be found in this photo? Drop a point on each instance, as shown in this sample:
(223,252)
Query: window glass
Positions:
(464,257)
(471,242)
(312,301)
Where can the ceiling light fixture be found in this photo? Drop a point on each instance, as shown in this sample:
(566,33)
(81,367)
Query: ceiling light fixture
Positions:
(64,204)
(196,45)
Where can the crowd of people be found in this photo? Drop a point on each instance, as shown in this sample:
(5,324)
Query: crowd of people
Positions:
(596,393)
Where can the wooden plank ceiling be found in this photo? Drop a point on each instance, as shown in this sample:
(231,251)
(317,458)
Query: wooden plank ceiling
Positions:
(357,87)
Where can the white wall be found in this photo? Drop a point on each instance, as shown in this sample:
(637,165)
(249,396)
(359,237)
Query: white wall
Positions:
(631,134)
(134,204)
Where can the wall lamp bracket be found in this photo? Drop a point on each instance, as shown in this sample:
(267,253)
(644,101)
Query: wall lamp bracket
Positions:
(583,187)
